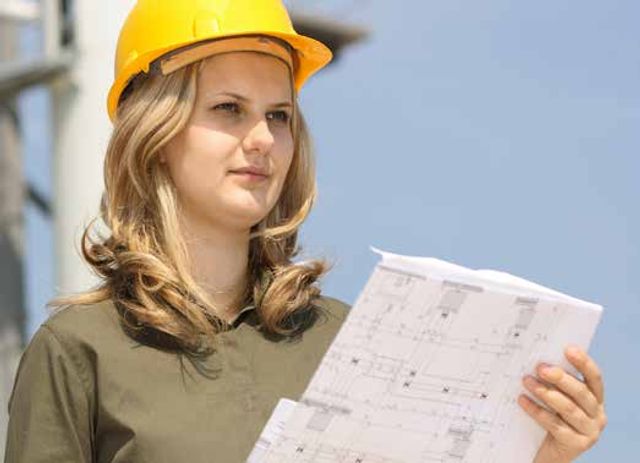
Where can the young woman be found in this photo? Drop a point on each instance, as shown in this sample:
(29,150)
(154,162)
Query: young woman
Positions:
(202,321)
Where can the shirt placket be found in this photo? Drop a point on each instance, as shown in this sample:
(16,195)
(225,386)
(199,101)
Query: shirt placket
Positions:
(239,370)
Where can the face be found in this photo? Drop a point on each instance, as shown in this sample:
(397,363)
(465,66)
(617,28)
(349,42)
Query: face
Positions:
(230,162)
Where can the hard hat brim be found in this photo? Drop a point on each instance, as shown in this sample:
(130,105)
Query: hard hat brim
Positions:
(182,57)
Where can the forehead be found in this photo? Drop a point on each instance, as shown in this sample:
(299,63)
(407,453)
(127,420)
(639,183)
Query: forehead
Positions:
(247,73)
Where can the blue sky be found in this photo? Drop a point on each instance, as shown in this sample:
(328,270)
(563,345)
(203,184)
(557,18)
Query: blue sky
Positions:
(495,134)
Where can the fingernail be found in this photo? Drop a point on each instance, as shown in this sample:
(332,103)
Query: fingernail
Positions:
(545,370)
(574,351)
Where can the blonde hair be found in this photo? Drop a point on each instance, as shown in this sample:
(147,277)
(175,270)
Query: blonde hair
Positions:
(143,263)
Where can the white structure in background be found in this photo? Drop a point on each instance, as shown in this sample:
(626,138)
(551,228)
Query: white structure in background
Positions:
(19,10)
(83,129)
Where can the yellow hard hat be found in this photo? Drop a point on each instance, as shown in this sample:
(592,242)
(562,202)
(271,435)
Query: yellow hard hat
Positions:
(158,28)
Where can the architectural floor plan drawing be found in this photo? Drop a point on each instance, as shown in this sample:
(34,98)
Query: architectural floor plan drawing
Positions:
(427,368)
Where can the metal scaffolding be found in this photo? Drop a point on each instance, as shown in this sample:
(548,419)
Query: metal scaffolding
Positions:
(11,245)
(17,75)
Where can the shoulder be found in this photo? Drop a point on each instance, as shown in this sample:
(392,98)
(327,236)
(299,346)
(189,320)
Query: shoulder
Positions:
(72,340)
(78,334)
(329,315)
(63,352)
(333,307)
(85,324)
(82,317)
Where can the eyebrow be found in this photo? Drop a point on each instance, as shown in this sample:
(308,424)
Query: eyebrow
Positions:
(282,104)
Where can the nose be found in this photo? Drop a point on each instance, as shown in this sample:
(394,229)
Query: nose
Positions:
(259,139)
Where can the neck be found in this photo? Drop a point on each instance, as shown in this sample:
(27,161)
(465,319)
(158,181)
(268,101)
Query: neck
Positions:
(219,263)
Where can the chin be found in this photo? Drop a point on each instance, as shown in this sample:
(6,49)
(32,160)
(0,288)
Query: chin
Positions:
(248,218)
(244,213)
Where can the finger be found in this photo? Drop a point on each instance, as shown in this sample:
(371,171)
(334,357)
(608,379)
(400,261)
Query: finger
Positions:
(558,428)
(572,387)
(549,421)
(589,369)
(568,410)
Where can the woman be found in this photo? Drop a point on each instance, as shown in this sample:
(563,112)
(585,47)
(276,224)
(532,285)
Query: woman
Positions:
(203,321)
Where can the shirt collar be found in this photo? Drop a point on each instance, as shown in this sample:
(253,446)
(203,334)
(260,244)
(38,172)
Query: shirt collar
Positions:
(241,315)
(265,278)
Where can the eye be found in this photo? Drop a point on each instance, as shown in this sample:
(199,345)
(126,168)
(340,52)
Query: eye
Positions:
(227,107)
(279,116)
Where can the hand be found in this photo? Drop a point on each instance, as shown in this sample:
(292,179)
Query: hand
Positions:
(579,416)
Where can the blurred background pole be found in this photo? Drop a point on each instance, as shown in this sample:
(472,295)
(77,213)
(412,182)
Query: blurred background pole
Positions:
(82,130)
(11,228)
(52,29)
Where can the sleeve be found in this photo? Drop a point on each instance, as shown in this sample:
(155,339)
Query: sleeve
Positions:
(50,409)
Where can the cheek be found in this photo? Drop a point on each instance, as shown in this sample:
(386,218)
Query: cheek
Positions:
(284,156)
(282,166)
(199,157)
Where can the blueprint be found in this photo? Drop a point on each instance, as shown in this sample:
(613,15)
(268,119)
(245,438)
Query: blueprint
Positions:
(427,368)
(274,428)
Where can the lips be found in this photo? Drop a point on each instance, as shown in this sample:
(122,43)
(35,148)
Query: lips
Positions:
(257,171)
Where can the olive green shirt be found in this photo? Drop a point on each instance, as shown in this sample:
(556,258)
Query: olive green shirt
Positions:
(87,392)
